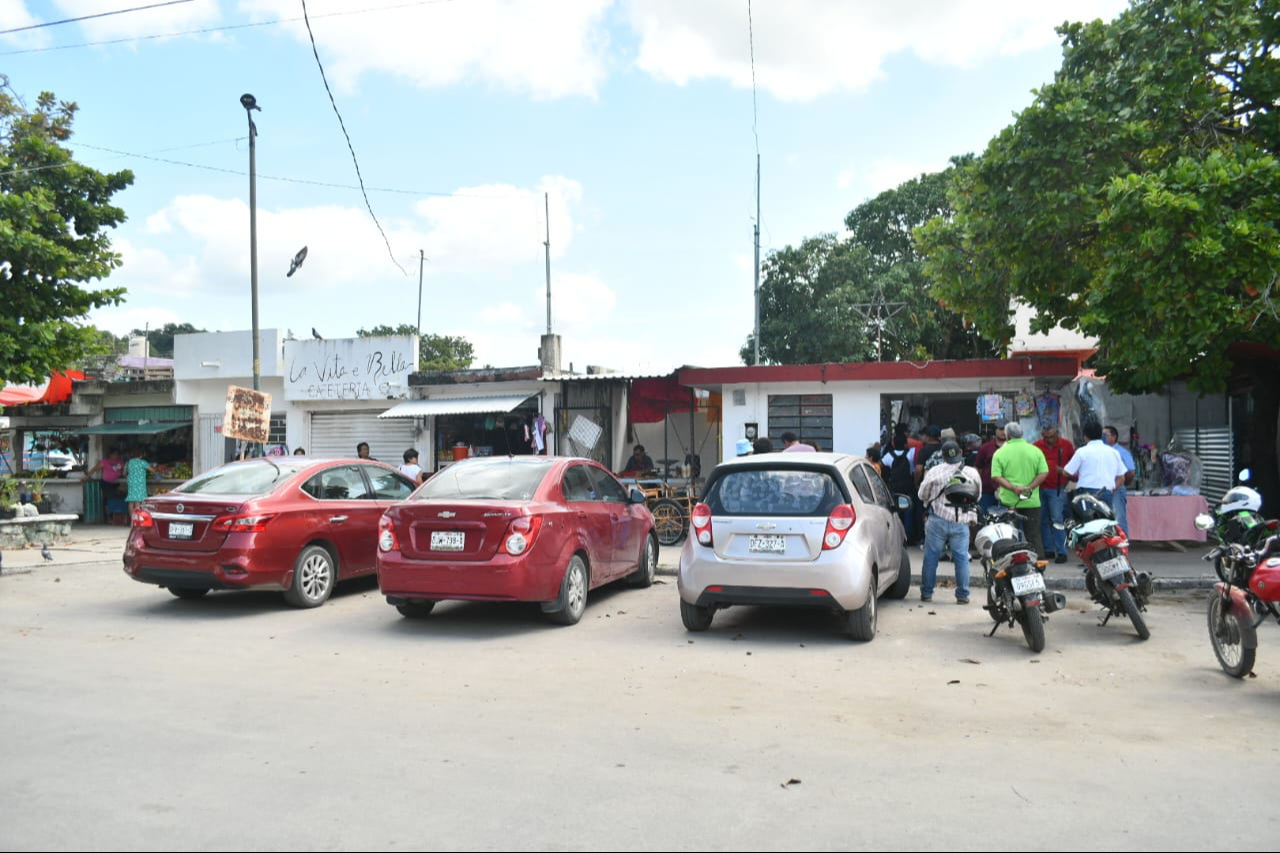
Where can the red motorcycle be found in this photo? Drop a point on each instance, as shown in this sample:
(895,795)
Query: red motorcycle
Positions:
(1101,545)
(1246,594)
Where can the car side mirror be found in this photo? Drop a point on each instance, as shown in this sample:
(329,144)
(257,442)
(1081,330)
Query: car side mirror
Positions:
(1244,475)
(904,503)
(637,496)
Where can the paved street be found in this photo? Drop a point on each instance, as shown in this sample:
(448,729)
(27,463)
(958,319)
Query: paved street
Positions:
(137,721)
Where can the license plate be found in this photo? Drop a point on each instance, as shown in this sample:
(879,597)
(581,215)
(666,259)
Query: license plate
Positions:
(1023,584)
(180,529)
(766,545)
(447,540)
(1110,568)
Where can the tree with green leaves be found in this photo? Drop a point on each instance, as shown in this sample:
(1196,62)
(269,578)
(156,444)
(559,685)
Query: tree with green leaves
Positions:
(435,352)
(54,213)
(1137,199)
(161,339)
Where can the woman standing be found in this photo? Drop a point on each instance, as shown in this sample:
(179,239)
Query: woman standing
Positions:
(135,472)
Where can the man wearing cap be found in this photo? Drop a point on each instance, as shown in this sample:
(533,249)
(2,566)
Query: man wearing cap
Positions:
(1019,468)
(947,525)
(639,462)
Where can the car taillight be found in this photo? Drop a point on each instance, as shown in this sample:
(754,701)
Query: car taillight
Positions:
(700,520)
(838,525)
(520,534)
(142,518)
(240,523)
(387,540)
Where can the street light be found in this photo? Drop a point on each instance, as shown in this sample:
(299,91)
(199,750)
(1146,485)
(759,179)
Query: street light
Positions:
(250,103)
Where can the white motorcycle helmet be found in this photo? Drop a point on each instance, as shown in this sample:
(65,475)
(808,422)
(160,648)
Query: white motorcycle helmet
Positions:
(1238,499)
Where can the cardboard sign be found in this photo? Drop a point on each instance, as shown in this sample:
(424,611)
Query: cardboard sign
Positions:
(248,414)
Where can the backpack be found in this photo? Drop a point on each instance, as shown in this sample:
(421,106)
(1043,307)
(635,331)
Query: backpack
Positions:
(900,478)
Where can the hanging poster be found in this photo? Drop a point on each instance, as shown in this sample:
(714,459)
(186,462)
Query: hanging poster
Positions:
(248,414)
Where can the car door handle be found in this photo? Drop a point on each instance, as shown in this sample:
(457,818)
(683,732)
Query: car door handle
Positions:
(337,519)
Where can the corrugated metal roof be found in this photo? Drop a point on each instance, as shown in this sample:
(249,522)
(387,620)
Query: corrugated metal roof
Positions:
(456,406)
(596,377)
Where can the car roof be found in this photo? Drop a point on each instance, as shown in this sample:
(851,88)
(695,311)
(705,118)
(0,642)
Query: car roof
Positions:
(780,459)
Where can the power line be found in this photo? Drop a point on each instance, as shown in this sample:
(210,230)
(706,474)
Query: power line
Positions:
(224,28)
(755,113)
(122,154)
(88,17)
(350,147)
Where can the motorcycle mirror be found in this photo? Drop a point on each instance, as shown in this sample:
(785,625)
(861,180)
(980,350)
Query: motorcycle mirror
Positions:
(904,503)
(1204,522)
(1244,475)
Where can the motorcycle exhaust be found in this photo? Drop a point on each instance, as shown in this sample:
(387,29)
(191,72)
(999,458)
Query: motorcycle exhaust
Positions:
(1054,601)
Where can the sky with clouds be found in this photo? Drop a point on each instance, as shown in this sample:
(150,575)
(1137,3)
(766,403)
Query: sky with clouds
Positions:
(633,123)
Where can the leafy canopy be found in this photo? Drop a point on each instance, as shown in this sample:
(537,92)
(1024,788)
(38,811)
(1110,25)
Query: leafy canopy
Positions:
(54,213)
(1137,199)
(435,352)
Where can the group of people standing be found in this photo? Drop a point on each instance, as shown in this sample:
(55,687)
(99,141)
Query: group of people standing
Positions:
(124,472)
(1032,478)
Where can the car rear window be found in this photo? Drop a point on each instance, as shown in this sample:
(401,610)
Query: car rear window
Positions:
(253,478)
(781,492)
(505,480)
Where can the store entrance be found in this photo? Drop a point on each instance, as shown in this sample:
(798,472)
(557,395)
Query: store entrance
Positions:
(519,432)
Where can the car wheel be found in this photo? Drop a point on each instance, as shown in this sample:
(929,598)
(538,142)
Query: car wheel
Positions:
(568,608)
(314,574)
(862,622)
(188,593)
(902,585)
(694,617)
(643,575)
(415,609)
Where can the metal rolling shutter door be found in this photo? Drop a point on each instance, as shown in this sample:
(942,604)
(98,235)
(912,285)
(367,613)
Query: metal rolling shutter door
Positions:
(338,433)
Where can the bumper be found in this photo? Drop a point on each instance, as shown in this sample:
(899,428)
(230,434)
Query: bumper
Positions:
(503,578)
(226,568)
(833,578)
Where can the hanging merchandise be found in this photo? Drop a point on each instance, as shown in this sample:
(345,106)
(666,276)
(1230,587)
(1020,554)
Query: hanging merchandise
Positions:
(540,434)
(991,407)
(1047,409)
(1024,405)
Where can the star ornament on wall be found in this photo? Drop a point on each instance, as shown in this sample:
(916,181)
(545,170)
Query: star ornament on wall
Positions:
(296,263)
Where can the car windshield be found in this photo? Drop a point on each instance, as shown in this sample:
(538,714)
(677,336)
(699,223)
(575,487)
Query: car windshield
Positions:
(506,480)
(781,492)
(247,478)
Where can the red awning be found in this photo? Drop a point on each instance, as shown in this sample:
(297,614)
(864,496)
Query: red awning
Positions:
(56,390)
(653,399)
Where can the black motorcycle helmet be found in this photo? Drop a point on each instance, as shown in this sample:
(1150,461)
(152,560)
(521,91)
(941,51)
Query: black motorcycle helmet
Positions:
(1086,507)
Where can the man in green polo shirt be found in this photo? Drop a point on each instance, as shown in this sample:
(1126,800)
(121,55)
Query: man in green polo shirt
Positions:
(1018,468)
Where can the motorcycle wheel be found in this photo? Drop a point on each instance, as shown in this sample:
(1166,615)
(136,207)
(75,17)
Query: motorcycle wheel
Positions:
(1033,628)
(1135,615)
(994,609)
(1224,632)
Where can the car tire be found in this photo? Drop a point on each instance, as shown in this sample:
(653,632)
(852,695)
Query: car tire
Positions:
(696,617)
(314,574)
(902,585)
(643,576)
(862,622)
(187,593)
(568,608)
(415,609)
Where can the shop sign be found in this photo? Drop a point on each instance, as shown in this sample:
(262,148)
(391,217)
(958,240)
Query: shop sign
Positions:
(349,368)
(248,415)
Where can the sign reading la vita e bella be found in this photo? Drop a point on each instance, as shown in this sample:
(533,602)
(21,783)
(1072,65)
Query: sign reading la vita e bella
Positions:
(349,368)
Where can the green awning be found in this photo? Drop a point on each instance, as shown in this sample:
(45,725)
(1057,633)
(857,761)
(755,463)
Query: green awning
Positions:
(133,428)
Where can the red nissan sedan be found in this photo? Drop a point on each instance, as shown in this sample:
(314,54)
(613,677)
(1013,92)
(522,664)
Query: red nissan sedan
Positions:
(296,523)
(517,528)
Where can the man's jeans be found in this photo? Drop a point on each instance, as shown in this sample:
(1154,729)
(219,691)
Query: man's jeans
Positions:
(937,533)
(1052,506)
(1120,505)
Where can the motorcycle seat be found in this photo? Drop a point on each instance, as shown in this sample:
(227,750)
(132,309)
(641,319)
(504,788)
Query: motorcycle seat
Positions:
(1005,547)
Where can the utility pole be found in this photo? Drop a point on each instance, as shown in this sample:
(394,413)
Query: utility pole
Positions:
(421,259)
(756,336)
(250,103)
(546,205)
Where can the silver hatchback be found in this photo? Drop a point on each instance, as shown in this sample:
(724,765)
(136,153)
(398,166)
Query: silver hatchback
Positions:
(801,529)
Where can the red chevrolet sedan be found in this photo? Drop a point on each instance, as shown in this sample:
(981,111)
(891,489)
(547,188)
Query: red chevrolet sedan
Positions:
(297,524)
(522,528)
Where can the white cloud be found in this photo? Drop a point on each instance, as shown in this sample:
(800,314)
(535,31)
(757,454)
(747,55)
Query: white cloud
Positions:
(808,48)
(123,319)
(579,303)
(884,174)
(159,20)
(545,50)
(498,225)
(14,14)
(505,314)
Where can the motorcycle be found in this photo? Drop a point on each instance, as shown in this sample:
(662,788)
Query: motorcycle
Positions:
(1246,560)
(1016,592)
(1094,536)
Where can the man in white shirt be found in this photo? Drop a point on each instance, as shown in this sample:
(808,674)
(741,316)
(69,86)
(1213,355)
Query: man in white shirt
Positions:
(410,467)
(1096,467)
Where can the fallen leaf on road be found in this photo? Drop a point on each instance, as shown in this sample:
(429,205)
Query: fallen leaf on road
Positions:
(739,637)
(954,681)
(790,782)
(969,660)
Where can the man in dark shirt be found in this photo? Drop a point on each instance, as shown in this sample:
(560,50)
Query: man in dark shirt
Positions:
(983,464)
(1057,452)
(639,462)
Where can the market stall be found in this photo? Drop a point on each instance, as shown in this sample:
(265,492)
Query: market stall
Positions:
(1165,517)
(163,434)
